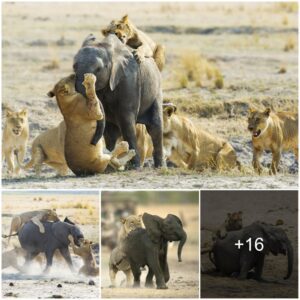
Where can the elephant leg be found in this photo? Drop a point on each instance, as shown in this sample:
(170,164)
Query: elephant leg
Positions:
(259,267)
(111,134)
(112,275)
(154,128)
(136,274)
(166,272)
(154,265)
(66,255)
(49,257)
(149,278)
(128,129)
(28,259)
(246,263)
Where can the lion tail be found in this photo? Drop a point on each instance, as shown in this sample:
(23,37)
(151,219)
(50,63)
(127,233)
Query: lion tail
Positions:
(159,57)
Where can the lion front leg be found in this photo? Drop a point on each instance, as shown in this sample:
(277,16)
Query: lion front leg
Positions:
(276,154)
(257,152)
(9,157)
(38,223)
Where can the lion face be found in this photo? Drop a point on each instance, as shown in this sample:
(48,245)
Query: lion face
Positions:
(51,215)
(16,121)
(234,221)
(121,29)
(168,110)
(65,87)
(258,121)
(132,222)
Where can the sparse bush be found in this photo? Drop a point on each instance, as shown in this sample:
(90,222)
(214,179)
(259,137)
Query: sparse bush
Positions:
(282,70)
(285,20)
(289,7)
(183,80)
(219,82)
(54,64)
(290,44)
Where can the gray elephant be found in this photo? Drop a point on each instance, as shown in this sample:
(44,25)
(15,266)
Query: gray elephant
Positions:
(129,92)
(230,260)
(55,237)
(149,247)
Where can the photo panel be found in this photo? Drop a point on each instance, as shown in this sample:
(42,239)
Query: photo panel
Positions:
(249,244)
(150,239)
(50,244)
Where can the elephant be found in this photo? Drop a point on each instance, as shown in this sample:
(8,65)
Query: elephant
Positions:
(129,92)
(55,237)
(149,247)
(230,260)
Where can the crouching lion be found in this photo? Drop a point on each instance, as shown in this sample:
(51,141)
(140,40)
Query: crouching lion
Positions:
(117,260)
(80,115)
(188,146)
(272,131)
(36,216)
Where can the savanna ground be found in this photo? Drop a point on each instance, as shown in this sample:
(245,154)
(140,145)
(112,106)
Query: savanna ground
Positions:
(82,208)
(184,276)
(264,206)
(220,59)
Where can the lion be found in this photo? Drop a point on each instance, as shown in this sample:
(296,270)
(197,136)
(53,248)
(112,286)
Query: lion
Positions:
(80,115)
(272,131)
(117,260)
(48,147)
(15,138)
(10,259)
(89,267)
(36,216)
(188,146)
(142,44)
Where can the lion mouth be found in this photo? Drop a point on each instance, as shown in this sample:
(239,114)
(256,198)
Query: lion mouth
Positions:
(16,131)
(256,133)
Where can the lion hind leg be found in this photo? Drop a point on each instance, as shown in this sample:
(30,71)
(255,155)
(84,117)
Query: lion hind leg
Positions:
(37,159)
(38,223)
(226,158)
(15,225)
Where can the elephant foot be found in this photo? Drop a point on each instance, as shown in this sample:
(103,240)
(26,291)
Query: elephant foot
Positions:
(136,285)
(162,287)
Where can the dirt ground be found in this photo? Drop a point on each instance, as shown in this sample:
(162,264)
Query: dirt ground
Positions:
(81,208)
(254,47)
(184,276)
(267,206)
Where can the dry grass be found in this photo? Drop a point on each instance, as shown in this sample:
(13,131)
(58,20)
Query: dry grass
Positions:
(196,68)
(282,70)
(290,44)
(288,7)
(53,65)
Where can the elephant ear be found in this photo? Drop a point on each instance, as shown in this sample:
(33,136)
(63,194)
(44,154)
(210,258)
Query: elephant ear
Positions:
(61,231)
(274,238)
(153,226)
(121,63)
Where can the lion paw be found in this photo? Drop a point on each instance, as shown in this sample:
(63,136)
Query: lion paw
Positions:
(138,56)
(122,147)
(89,79)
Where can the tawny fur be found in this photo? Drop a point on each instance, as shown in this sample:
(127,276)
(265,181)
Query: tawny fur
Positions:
(117,260)
(14,140)
(144,46)
(80,115)
(36,216)
(190,147)
(10,259)
(272,131)
(48,148)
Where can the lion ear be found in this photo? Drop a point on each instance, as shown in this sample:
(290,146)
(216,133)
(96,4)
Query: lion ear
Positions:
(267,111)
(8,113)
(51,94)
(23,112)
(105,31)
(140,217)
(125,19)
(169,110)
(251,110)
(123,220)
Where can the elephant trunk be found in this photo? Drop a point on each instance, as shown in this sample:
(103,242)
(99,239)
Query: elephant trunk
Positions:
(181,244)
(78,84)
(290,257)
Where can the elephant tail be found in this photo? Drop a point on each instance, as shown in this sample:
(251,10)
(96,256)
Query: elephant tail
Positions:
(159,57)
(9,235)
(211,258)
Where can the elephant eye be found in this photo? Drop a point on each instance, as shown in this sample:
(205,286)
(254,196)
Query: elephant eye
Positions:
(98,69)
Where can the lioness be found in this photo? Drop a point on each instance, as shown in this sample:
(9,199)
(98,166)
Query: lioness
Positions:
(89,267)
(190,147)
(117,260)
(144,46)
(15,138)
(10,258)
(272,131)
(48,148)
(80,115)
(36,217)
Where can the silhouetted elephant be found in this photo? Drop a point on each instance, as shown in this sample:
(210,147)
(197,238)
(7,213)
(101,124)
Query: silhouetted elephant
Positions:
(149,247)
(230,260)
